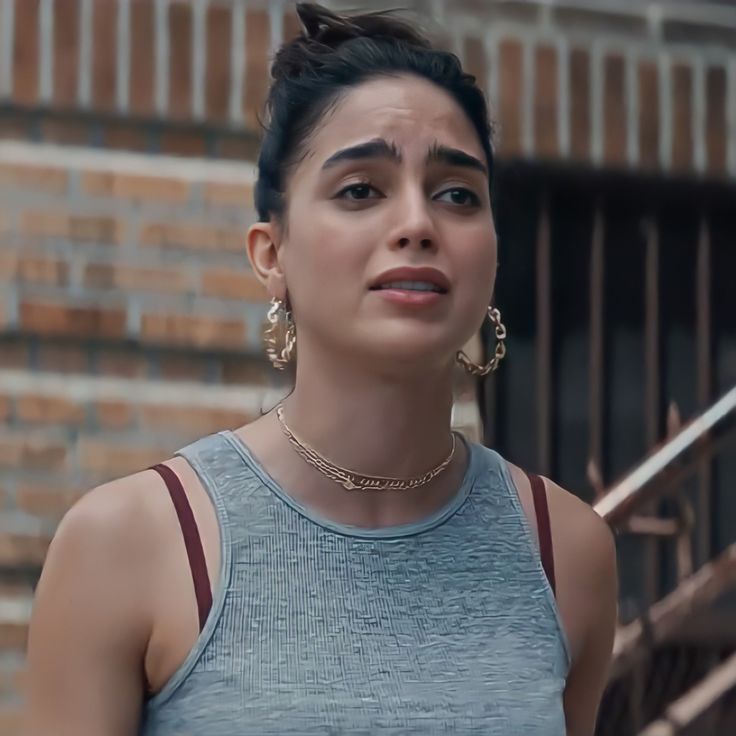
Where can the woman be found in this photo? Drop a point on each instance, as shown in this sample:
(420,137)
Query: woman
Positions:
(371,572)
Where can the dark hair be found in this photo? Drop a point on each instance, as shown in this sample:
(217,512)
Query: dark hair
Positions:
(332,54)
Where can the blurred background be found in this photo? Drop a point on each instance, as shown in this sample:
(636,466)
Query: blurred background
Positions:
(130,323)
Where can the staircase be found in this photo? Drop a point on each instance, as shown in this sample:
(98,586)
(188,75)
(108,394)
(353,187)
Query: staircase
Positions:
(674,664)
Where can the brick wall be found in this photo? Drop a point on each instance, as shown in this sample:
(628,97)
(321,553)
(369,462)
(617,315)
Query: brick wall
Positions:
(635,84)
(129,325)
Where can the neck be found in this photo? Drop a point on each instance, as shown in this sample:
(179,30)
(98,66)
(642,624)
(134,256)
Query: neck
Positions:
(395,426)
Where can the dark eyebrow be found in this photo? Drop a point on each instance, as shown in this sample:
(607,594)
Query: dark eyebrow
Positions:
(376,148)
(380,148)
(455,157)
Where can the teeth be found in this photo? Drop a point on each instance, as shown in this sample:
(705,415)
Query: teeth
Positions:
(411,286)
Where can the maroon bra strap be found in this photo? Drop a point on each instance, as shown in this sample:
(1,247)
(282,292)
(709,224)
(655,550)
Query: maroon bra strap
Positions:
(192,541)
(541,509)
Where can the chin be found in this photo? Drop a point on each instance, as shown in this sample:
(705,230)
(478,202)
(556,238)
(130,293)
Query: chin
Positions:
(410,352)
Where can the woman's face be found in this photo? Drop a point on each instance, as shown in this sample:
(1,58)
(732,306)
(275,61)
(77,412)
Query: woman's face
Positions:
(394,178)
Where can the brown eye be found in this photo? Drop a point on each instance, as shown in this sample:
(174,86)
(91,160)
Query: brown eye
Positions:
(460,196)
(356,192)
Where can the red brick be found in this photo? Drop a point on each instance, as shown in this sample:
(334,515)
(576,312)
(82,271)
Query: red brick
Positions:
(475,61)
(183,368)
(221,194)
(18,550)
(135,186)
(59,319)
(126,136)
(20,451)
(192,236)
(682,119)
(50,179)
(143,61)
(183,143)
(122,363)
(217,88)
(33,269)
(546,99)
(71,132)
(192,420)
(108,460)
(26,52)
(257,44)
(614,111)
(716,135)
(238,147)
(66,52)
(580,104)
(14,129)
(228,284)
(511,81)
(48,502)
(649,115)
(596,21)
(133,278)
(113,414)
(14,355)
(35,409)
(13,636)
(194,331)
(46,224)
(61,358)
(245,371)
(180,59)
(104,31)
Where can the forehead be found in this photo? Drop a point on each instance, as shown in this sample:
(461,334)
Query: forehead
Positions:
(411,112)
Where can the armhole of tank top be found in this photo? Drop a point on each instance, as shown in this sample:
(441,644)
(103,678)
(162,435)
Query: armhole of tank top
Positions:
(513,492)
(218,591)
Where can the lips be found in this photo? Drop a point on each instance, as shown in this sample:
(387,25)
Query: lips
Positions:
(425,275)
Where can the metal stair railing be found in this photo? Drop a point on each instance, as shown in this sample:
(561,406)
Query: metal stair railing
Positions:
(659,695)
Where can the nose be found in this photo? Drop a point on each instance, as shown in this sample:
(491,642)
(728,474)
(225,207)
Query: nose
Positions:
(416,227)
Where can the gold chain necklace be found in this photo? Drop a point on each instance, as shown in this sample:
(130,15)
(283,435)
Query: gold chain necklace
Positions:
(351,481)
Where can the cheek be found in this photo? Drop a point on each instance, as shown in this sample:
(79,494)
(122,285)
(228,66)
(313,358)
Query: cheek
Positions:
(326,264)
(476,255)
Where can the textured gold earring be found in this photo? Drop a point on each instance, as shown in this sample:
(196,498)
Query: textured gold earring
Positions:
(277,332)
(482,370)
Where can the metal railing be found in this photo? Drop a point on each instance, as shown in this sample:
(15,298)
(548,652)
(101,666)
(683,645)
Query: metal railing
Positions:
(661,684)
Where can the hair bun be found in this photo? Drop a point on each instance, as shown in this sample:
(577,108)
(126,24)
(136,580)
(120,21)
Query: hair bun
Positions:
(323,31)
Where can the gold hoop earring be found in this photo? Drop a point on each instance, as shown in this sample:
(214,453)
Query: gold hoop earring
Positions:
(280,358)
(483,370)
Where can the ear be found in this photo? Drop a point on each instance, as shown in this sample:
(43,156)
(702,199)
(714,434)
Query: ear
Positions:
(262,243)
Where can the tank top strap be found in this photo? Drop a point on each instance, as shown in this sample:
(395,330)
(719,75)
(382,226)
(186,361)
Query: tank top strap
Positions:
(544,529)
(192,540)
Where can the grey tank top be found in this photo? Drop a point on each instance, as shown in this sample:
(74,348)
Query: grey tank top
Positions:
(446,626)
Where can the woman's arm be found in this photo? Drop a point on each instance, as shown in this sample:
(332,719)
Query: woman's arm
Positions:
(90,623)
(594,581)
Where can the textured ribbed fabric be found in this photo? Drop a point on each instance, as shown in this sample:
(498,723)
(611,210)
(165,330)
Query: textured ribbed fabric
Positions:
(447,626)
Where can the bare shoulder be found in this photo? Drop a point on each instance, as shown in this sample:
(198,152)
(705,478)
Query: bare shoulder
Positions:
(576,527)
(584,557)
(104,548)
(92,613)
(117,518)
(579,526)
